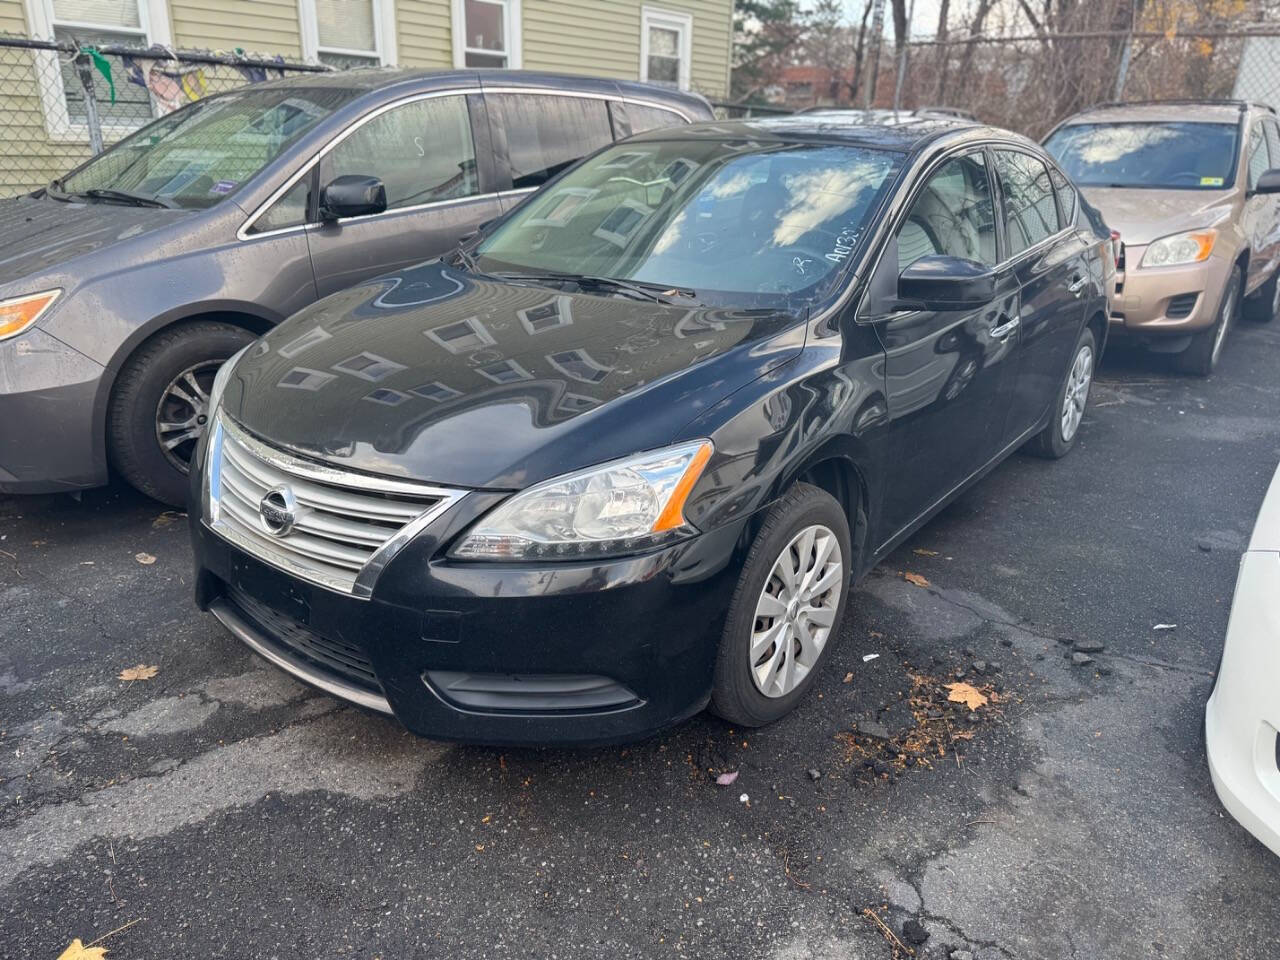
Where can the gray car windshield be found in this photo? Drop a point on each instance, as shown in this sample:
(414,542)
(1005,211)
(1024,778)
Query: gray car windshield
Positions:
(751,224)
(196,156)
(1168,156)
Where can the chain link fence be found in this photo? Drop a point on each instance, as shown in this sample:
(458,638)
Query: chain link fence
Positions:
(61,102)
(1029,83)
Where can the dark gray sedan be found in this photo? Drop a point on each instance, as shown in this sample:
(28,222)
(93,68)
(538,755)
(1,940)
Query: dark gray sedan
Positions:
(126,283)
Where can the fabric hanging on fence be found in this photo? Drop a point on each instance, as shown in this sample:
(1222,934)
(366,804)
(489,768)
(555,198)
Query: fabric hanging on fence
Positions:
(175,88)
(103,66)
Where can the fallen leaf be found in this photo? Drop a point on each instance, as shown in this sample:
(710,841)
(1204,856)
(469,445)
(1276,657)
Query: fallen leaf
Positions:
(915,578)
(166,518)
(479,848)
(848,677)
(140,672)
(725,779)
(78,951)
(966,694)
(1165,626)
(145,559)
(486,818)
(876,634)
(922,552)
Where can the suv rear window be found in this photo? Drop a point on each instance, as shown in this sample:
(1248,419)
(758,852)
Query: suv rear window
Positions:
(1167,156)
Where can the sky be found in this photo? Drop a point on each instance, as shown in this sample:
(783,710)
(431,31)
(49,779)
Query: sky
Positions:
(924,23)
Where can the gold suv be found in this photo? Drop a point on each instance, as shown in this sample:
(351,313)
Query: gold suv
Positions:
(1193,191)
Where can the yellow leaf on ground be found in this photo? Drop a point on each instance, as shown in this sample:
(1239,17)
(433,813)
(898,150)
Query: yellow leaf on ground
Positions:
(922,552)
(140,672)
(964,693)
(145,559)
(78,951)
(915,578)
(848,677)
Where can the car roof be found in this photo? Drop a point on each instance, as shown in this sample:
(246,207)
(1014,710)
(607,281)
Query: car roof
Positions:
(373,79)
(1167,111)
(905,133)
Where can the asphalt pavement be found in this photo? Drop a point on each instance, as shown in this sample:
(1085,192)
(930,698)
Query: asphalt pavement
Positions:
(220,810)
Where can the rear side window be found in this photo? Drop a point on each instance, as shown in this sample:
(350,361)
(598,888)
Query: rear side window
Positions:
(1066,195)
(422,151)
(1030,213)
(1273,139)
(1259,159)
(547,133)
(650,118)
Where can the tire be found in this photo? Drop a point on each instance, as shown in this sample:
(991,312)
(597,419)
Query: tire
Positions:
(1263,306)
(143,398)
(1057,439)
(737,694)
(1201,357)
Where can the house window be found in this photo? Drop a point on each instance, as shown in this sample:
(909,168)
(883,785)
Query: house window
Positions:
(486,33)
(348,33)
(98,23)
(464,336)
(665,47)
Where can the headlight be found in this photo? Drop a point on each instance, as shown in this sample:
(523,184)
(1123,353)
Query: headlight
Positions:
(1180,248)
(220,380)
(616,508)
(21,312)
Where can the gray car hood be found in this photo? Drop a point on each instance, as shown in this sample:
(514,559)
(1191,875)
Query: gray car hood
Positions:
(40,234)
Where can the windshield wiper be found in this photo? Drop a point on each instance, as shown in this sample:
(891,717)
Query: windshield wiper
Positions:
(658,292)
(125,196)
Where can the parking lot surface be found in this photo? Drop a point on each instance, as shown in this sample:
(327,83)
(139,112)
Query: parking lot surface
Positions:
(218,809)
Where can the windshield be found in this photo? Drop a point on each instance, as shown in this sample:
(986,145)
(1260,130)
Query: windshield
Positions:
(197,155)
(736,222)
(1174,156)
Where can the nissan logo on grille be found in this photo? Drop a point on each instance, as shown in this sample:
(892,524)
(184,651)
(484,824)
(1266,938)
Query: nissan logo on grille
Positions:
(278,510)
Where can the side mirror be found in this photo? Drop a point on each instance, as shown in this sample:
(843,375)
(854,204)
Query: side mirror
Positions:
(940,282)
(352,195)
(1269,182)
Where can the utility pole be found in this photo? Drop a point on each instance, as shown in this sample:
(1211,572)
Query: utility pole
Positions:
(873,53)
(902,57)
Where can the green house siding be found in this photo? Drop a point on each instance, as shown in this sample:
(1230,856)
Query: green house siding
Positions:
(593,37)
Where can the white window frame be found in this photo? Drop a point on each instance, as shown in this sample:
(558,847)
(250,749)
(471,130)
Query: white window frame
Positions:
(384,34)
(511,30)
(667,20)
(154,27)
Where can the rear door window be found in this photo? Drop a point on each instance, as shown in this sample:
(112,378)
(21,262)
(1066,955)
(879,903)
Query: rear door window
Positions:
(1259,158)
(547,133)
(644,117)
(1030,212)
(1066,195)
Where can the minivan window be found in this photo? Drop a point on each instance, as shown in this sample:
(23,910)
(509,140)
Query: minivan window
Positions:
(1168,156)
(644,117)
(953,215)
(1030,211)
(196,156)
(547,133)
(289,211)
(737,222)
(422,151)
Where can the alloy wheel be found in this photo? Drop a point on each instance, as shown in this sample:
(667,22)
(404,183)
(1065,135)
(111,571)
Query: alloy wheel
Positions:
(1077,395)
(796,611)
(183,411)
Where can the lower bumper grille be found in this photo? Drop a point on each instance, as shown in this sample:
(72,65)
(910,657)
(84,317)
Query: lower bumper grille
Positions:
(531,693)
(1181,306)
(332,656)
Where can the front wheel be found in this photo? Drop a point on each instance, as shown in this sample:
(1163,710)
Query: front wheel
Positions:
(1056,440)
(785,613)
(1201,357)
(160,405)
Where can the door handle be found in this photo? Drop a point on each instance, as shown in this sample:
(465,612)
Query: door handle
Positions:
(1003,330)
(1077,285)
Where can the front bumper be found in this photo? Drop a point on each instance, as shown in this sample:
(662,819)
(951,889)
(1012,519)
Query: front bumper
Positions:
(566,653)
(1167,301)
(48,437)
(1242,718)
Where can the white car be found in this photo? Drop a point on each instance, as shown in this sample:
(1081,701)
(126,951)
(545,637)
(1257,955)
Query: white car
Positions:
(1242,720)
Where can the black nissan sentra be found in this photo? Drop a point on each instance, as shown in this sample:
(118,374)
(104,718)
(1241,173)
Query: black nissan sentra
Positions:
(620,456)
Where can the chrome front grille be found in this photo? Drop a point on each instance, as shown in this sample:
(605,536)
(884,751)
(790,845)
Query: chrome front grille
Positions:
(339,528)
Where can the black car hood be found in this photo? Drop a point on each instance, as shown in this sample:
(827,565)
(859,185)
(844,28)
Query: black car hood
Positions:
(441,375)
(40,233)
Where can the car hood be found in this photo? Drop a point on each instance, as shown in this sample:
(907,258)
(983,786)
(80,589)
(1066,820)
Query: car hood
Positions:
(464,380)
(1145,215)
(38,234)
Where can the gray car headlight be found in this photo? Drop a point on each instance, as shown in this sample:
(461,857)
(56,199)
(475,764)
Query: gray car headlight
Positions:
(618,507)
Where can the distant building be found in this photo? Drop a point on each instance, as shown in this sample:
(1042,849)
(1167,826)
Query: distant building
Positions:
(800,87)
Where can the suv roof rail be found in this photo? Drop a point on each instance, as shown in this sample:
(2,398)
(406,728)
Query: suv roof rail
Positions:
(1241,105)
